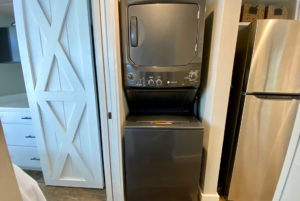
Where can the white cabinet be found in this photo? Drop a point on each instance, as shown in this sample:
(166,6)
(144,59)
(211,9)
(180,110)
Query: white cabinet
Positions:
(19,135)
(25,157)
(18,131)
(56,54)
(16,117)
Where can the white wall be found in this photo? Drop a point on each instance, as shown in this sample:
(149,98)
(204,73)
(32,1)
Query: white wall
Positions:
(6,21)
(11,79)
(291,187)
(11,76)
(222,19)
(288,185)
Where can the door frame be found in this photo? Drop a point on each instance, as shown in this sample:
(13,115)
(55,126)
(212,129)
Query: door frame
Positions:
(105,14)
(108,65)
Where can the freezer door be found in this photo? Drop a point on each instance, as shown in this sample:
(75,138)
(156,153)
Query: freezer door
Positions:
(275,62)
(162,34)
(264,135)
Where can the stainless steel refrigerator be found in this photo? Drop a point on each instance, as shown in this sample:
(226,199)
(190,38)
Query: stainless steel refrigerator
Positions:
(264,100)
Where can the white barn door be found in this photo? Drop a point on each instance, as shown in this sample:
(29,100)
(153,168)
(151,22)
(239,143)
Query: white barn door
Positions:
(56,53)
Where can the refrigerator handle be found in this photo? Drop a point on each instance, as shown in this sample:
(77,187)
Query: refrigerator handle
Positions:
(276,96)
(133,31)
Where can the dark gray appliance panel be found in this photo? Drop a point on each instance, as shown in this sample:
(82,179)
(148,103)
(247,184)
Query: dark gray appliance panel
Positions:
(135,77)
(161,101)
(162,34)
(162,164)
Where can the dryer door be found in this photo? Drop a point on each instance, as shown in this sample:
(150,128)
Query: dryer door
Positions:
(162,34)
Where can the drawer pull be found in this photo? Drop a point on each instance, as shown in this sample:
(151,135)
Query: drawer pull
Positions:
(26,117)
(29,136)
(35,159)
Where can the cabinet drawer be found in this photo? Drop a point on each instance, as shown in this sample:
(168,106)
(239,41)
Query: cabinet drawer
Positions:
(16,117)
(25,157)
(19,135)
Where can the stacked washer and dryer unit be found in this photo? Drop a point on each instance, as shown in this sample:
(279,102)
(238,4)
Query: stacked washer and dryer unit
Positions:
(162,44)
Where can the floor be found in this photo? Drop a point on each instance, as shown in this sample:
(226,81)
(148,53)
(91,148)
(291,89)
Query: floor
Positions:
(220,193)
(54,193)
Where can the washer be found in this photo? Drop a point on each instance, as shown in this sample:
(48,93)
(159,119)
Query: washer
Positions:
(163,158)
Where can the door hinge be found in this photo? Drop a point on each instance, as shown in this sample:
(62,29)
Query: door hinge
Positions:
(198,15)
(109,115)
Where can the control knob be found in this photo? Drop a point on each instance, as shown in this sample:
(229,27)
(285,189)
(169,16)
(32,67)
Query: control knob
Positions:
(193,76)
(158,82)
(151,82)
(130,76)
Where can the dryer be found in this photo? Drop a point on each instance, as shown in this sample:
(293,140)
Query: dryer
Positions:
(162,45)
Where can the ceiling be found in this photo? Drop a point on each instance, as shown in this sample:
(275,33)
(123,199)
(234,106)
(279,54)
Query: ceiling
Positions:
(6,8)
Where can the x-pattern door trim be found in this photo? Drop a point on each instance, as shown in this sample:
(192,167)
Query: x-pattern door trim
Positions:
(54,49)
(67,137)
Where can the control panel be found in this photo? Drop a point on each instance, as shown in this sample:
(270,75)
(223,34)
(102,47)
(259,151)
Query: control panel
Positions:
(162,79)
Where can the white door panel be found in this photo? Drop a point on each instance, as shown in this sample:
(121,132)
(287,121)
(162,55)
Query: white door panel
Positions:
(56,54)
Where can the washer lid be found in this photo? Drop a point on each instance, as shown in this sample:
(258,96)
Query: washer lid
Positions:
(180,123)
(162,34)
(163,119)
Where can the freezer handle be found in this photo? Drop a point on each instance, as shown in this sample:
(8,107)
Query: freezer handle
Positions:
(133,31)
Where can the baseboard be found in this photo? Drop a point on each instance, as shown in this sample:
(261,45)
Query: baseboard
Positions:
(208,197)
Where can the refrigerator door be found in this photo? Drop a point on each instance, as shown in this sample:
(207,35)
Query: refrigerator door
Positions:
(275,61)
(264,136)
(162,34)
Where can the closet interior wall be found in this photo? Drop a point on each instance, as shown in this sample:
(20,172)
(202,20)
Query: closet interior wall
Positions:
(221,28)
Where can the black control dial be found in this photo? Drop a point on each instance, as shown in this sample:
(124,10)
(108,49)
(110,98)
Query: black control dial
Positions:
(130,76)
(159,82)
(193,76)
(151,82)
